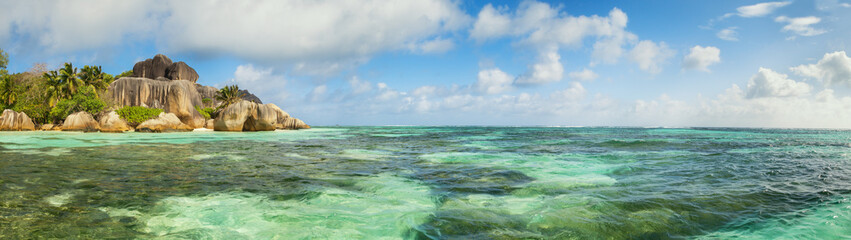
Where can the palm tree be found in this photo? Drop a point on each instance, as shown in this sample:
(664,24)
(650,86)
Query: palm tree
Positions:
(94,76)
(54,87)
(68,79)
(229,95)
(7,91)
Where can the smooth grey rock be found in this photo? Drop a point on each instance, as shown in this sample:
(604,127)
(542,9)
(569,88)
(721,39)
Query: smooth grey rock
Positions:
(15,121)
(80,121)
(179,97)
(181,71)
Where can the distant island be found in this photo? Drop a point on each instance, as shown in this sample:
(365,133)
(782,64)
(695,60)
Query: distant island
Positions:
(158,95)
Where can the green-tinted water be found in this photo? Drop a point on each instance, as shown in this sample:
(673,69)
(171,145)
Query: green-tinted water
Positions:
(428,183)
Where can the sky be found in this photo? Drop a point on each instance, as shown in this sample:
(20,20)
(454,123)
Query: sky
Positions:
(441,62)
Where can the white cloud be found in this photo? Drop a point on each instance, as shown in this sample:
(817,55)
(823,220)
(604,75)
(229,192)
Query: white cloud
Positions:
(313,36)
(770,99)
(574,93)
(586,75)
(650,56)
(760,9)
(701,58)
(493,81)
(490,23)
(539,25)
(67,26)
(833,69)
(548,69)
(438,45)
(359,86)
(768,83)
(728,34)
(262,82)
(318,93)
(801,26)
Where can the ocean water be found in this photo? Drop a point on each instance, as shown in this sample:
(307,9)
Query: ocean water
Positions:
(428,183)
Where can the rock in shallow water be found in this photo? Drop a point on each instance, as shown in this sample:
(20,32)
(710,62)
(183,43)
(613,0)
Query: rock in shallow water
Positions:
(250,116)
(165,122)
(111,122)
(15,121)
(80,121)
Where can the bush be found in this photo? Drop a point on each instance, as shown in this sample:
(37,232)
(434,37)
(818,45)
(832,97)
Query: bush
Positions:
(84,100)
(207,112)
(135,115)
(39,113)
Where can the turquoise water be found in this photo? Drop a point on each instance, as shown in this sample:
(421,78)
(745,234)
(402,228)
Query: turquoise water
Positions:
(428,183)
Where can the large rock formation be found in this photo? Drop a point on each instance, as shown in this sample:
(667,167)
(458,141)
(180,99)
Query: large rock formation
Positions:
(181,71)
(160,83)
(250,116)
(80,121)
(246,116)
(285,121)
(111,122)
(165,122)
(15,121)
(179,97)
(162,66)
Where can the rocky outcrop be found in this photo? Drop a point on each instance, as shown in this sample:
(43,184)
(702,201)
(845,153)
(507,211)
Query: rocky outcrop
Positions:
(247,96)
(165,122)
(246,116)
(181,71)
(178,97)
(285,121)
(80,121)
(293,124)
(281,114)
(162,66)
(111,122)
(160,83)
(152,67)
(15,121)
(250,116)
(208,93)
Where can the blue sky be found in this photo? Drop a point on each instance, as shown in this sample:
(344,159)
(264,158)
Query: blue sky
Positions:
(436,62)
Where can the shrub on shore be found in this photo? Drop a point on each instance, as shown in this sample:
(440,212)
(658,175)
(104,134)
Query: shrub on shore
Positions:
(84,100)
(207,112)
(135,115)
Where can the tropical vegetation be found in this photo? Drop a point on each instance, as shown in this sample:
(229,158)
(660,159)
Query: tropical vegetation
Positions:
(135,115)
(84,100)
(229,95)
(207,112)
(51,95)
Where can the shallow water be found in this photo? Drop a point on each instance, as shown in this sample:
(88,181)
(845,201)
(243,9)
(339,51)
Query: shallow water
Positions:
(428,183)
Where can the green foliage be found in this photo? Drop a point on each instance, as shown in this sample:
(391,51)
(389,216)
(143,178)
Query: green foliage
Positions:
(7,90)
(95,77)
(69,80)
(207,101)
(84,100)
(135,115)
(207,112)
(4,60)
(229,95)
(124,74)
(39,113)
